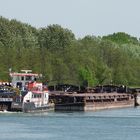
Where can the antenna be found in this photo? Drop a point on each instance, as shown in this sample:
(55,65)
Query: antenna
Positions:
(26,71)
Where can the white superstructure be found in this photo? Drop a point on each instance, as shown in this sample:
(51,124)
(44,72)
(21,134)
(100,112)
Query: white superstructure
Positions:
(21,80)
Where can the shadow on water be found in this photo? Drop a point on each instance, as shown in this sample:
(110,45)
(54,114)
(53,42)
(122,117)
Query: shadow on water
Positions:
(114,113)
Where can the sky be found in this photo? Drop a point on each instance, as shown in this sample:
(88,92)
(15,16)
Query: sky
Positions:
(83,17)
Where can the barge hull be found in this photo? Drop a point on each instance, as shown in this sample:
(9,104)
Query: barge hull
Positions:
(103,106)
(93,102)
(92,107)
(69,107)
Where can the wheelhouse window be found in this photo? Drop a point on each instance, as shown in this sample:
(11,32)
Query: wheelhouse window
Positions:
(22,78)
(17,78)
(36,96)
(28,78)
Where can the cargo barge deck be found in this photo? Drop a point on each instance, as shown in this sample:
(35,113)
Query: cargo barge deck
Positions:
(91,101)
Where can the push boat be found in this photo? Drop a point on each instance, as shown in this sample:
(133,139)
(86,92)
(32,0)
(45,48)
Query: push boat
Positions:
(36,99)
(24,93)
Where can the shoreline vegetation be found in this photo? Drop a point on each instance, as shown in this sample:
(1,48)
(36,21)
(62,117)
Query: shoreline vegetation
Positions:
(54,52)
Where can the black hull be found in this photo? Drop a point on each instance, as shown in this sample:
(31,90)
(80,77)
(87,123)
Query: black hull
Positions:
(30,107)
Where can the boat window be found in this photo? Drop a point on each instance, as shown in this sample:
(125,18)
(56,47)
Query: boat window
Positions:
(34,95)
(28,78)
(22,78)
(17,78)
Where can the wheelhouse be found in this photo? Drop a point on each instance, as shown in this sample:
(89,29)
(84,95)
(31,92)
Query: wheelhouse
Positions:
(21,80)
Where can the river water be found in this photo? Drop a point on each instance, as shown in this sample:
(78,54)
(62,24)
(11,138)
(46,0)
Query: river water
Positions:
(117,124)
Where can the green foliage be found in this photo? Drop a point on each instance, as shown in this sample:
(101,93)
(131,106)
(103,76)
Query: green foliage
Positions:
(86,76)
(54,52)
(55,37)
(121,38)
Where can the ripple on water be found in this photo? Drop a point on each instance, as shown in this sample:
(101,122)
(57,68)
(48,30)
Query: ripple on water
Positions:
(115,124)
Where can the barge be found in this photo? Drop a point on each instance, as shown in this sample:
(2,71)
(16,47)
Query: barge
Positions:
(136,92)
(7,95)
(91,101)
